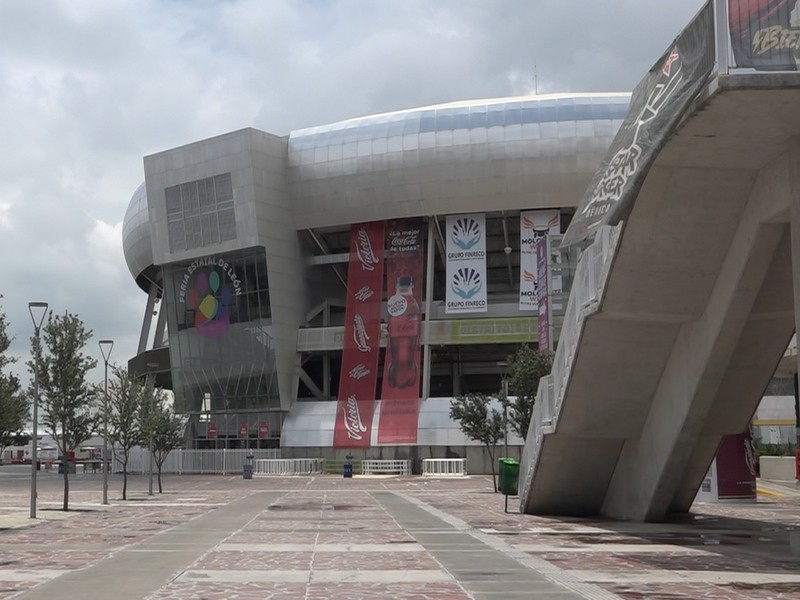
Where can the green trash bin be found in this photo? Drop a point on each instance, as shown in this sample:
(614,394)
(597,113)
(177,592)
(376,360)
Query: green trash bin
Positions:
(509,474)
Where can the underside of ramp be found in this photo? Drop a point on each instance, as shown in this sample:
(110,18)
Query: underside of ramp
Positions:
(694,313)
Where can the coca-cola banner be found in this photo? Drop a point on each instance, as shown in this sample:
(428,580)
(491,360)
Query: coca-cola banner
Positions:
(657,105)
(401,373)
(762,36)
(466,264)
(362,336)
(533,226)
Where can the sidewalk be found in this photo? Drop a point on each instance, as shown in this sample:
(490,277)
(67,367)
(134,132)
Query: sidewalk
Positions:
(401,538)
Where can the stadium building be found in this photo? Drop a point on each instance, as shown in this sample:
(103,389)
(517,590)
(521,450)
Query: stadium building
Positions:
(332,290)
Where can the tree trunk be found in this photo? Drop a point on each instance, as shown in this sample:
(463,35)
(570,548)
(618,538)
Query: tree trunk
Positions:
(125,481)
(159,479)
(65,463)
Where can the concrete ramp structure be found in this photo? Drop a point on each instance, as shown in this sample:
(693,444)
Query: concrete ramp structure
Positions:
(684,302)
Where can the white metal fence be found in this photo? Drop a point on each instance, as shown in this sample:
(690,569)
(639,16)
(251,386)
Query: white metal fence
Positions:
(184,462)
(265,467)
(444,467)
(587,290)
(375,466)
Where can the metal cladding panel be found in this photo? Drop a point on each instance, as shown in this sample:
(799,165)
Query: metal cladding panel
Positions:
(136,242)
(512,152)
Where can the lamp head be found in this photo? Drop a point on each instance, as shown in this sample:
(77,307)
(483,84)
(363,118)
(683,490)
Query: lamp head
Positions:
(38,310)
(105,348)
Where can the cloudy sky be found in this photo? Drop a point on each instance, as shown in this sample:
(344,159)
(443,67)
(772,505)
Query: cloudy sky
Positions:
(89,87)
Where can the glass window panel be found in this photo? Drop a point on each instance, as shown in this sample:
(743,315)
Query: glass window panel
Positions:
(177,237)
(477,117)
(427,121)
(444,119)
(350,135)
(191,206)
(210,229)
(411,125)
(194,232)
(583,112)
(173,200)
(205,190)
(223,188)
(548,113)
(529,113)
(513,116)
(495,117)
(227,225)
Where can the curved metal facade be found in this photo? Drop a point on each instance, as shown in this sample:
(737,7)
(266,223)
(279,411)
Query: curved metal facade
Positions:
(508,153)
(290,200)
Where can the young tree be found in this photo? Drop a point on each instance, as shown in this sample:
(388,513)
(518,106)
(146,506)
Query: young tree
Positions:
(479,423)
(162,429)
(525,370)
(125,395)
(67,399)
(13,403)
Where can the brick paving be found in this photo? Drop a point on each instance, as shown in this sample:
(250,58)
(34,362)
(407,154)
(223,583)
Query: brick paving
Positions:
(328,538)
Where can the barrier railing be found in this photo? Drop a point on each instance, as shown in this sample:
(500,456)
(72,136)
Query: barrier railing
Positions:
(286,467)
(444,467)
(587,290)
(376,466)
(184,462)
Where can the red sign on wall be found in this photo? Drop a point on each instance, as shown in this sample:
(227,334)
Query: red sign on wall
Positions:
(243,430)
(263,429)
(212,431)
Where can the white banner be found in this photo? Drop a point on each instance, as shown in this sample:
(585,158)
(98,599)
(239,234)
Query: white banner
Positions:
(533,225)
(466,264)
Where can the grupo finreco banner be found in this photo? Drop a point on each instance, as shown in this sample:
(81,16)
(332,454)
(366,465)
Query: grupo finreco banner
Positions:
(466,264)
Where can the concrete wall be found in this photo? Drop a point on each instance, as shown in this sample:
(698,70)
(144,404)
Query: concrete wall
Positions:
(777,468)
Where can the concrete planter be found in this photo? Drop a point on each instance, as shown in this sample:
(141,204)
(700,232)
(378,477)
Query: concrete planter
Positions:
(777,468)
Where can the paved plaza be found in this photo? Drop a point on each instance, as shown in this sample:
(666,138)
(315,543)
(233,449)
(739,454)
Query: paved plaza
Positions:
(406,538)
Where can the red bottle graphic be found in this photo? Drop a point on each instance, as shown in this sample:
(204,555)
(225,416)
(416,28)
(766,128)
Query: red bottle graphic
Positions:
(403,334)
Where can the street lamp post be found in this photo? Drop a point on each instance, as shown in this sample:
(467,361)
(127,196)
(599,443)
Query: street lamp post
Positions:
(503,366)
(37,310)
(105,348)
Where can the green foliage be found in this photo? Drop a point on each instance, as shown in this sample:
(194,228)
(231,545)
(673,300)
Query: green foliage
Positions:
(13,403)
(525,369)
(67,400)
(161,429)
(479,423)
(774,449)
(125,397)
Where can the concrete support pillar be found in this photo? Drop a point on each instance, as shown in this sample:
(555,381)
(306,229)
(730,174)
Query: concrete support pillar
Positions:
(651,468)
(148,319)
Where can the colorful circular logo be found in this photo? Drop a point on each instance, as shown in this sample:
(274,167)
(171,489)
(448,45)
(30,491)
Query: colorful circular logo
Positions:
(210,299)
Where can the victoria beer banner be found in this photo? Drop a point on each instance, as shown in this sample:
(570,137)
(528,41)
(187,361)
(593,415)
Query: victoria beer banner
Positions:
(762,36)
(657,105)
(401,373)
(362,336)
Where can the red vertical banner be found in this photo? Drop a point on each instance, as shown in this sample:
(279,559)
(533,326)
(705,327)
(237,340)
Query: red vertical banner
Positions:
(362,338)
(401,373)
